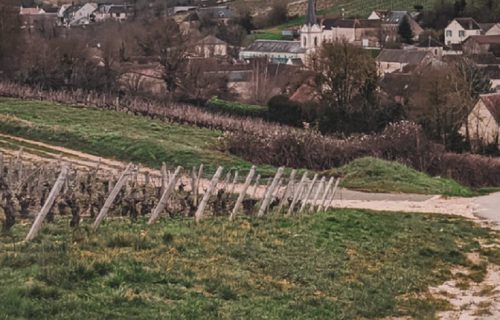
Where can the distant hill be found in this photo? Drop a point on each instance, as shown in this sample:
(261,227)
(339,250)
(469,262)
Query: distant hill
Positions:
(353,8)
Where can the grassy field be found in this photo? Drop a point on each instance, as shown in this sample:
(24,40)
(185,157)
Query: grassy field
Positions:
(342,264)
(116,135)
(378,175)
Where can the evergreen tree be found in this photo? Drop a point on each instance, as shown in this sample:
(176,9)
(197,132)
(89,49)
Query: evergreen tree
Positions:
(405,31)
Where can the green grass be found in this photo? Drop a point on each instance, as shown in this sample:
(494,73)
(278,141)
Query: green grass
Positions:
(237,108)
(343,264)
(117,135)
(378,175)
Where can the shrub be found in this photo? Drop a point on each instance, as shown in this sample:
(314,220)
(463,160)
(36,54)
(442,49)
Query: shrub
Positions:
(403,142)
(284,111)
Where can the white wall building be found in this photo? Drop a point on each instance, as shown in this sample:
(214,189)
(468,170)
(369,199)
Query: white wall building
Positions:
(460,29)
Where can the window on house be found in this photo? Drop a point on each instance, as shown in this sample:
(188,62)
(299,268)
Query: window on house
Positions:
(449,33)
(315,41)
(305,42)
(461,33)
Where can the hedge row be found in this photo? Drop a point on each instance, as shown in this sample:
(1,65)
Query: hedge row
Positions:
(236,108)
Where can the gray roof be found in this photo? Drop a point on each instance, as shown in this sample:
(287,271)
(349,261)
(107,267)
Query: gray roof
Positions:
(413,57)
(468,23)
(486,26)
(276,46)
(395,17)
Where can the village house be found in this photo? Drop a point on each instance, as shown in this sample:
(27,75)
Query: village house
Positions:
(274,50)
(482,45)
(460,29)
(400,60)
(210,47)
(36,16)
(360,32)
(490,29)
(77,15)
(84,14)
(113,12)
(392,20)
(431,45)
(483,123)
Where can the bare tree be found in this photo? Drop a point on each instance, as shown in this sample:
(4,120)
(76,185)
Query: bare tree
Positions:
(343,72)
(163,39)
(444,98)
(10,35)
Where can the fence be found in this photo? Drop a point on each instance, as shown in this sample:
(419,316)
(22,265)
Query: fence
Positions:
(97,193)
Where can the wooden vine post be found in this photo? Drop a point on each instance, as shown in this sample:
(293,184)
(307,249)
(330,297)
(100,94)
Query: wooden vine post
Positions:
(269,193)
(197,184)
(164,198)
(256,186)
(109,201)
(243,193)
(318,192)
(297,193)
(233,185)
(206,196)
(48,204)
(325,195)
(333,193)
(164,177)
(287,190)
(308,193)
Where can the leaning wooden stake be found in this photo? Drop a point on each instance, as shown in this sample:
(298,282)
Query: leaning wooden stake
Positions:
(333,193)
(325,195)
(197,187)
(48,204)
(206,196)
(269,193)
(243,193)
(233,185)
(321,184)
(297,193)
(287,190)
(164,198)
(109,201)
(256,186)
(164,177)
(308,193)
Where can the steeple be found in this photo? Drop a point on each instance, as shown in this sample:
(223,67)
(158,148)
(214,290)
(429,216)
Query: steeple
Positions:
(311,13)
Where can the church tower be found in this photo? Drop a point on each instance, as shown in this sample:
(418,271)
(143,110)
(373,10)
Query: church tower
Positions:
(311,32)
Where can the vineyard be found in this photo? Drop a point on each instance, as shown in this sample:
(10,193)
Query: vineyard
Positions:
(96,193)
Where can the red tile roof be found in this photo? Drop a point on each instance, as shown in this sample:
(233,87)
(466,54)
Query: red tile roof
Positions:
(492,103)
